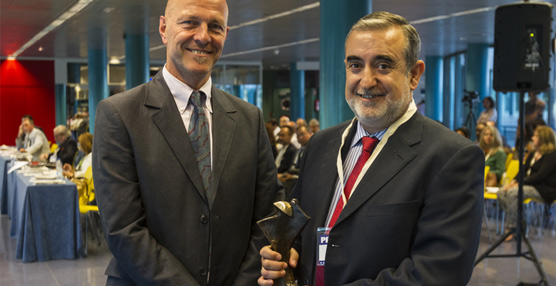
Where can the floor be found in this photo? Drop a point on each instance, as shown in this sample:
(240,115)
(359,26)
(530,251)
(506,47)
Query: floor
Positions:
(90,271)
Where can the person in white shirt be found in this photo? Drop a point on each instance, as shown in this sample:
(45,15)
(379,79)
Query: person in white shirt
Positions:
(34,142)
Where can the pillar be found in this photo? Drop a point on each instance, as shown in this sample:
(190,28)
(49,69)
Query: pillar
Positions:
(297,94)
(336,18)
(476,79)
(98,76)
(433,87)
(136,59)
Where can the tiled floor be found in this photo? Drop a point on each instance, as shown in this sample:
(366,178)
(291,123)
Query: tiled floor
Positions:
(90,271)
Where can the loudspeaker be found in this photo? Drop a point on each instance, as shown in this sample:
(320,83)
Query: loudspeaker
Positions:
(522,47)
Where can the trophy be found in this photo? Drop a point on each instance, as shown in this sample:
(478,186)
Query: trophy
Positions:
(281,229)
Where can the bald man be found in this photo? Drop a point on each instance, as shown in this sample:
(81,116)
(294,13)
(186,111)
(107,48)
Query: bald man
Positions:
(180,207)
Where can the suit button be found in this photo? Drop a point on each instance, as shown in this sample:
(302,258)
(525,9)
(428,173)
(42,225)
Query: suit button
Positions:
(203,271)
(204,219)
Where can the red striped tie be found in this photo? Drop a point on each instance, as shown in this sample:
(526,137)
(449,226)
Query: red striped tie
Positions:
(369,145)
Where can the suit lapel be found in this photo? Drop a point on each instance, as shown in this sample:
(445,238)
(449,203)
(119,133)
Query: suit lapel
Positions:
(166,117)
(395,155)
(223,130)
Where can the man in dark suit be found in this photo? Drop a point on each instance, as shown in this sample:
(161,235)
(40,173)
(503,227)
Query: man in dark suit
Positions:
(67,147)
(284,159)
(413,205)
(167,220)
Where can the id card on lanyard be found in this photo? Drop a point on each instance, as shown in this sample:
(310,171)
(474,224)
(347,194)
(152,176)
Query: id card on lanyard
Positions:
(322,243)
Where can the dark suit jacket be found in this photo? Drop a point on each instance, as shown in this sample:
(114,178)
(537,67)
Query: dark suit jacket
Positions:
(415,217)
(151,198)
(67,150)
(287,159)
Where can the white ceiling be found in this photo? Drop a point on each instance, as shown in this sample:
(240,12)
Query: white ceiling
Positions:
(445,26)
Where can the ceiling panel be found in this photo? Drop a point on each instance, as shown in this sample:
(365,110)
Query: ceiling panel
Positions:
(20,20)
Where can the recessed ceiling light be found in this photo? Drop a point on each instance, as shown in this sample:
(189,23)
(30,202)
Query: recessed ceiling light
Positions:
(40,49)
(108,10)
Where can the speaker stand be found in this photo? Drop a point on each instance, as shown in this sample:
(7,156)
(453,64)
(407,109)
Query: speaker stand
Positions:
(518,232)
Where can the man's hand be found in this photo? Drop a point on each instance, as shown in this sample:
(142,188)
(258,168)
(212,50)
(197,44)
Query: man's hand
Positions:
(20,132)
(273,268)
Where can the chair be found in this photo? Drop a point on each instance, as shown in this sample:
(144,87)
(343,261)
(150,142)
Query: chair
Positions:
(53,147)
(509,158)
(85,189)
(487,168)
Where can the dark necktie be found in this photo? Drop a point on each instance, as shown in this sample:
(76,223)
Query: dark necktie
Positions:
(200,140)
(369,145)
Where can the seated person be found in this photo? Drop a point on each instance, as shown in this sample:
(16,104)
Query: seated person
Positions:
(34,142)
(539,177)
(284,159)
(86,146)
(66,146)
(495,157)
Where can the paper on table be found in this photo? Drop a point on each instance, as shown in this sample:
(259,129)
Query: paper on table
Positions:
(17,165)
(47,182)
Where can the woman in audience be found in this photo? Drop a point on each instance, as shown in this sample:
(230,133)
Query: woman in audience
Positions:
(85,144)
(539,177)
(495,157)
(489,113)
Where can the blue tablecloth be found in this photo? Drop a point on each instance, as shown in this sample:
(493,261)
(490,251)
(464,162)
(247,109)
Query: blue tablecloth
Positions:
(3,185)
(45,219)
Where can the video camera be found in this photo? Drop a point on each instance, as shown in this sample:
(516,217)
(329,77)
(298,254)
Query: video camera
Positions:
(471,97)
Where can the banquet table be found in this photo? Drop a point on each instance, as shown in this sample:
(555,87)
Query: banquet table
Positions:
(45,219)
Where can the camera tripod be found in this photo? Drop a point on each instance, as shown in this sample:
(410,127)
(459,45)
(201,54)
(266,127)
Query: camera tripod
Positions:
(519,232)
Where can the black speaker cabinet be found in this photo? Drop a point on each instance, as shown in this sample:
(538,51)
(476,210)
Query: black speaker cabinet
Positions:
(522,47)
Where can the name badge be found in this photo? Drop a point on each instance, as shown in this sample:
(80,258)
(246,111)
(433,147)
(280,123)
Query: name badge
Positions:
(322,244)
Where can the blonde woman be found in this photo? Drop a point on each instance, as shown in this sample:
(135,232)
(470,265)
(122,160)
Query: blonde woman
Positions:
(495,157)
(539,177)
(86,145)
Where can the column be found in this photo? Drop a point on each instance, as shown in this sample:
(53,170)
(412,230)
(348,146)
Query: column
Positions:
(476,79)
(433,87)
(98,65)
(336,18)
(136,59)
(297,95)
(61,78)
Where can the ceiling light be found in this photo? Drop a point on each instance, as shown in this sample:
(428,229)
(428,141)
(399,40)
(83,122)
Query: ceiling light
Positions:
(76,8)
(40,49)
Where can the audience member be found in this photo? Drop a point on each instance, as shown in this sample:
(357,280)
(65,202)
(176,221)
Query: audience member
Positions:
(294,141)
(489,113)
(495,157)
(284,159)
(314,125)
(414,215)
(534,108)
(66,146)
(183,170)
(290,176)
(300,122)
(539,177)
(31,140)
(86,146)
(270,132)
(478,130)
(463,131)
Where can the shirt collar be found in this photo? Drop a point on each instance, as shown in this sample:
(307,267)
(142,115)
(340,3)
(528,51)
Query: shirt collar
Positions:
(181,91)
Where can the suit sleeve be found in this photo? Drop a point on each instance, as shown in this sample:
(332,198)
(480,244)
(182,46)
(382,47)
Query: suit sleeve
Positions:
(448,228)
(38,142)
(119,198)
(268,190)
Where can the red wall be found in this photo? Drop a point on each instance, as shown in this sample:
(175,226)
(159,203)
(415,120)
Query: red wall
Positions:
(26,87)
